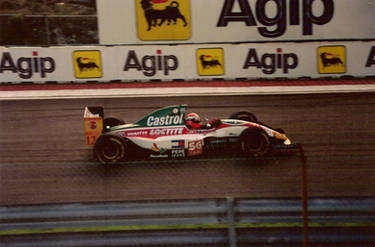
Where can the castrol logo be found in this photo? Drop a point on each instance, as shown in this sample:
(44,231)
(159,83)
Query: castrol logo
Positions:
(153,121)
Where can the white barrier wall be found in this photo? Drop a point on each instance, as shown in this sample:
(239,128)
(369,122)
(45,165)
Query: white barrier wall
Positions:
(188,62)
(201,21)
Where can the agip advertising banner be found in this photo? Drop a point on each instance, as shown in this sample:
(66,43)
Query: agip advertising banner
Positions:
(220,21)
(187,62)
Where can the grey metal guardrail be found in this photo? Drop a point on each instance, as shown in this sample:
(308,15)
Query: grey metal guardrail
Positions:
(213,222)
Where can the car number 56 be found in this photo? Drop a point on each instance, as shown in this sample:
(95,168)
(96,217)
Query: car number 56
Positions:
(195,147)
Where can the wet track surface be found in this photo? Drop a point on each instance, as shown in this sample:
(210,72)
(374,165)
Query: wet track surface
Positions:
(44,159)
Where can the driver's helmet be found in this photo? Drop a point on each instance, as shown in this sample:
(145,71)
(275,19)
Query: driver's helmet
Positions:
(193,120)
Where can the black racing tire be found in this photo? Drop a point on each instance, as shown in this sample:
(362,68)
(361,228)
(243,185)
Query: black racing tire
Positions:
(255,142)
(244,115)
(111,122)
(110,149)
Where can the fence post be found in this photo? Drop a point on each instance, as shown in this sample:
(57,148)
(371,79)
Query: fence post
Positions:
(231,222)
(306,240)
(46,24)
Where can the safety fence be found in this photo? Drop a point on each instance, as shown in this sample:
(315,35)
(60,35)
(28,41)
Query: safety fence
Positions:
(46,22)
(206,222)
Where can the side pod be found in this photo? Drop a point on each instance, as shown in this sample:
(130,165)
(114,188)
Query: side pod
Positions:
(93,123)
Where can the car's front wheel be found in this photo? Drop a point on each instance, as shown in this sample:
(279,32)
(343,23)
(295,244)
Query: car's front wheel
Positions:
(255,142)
(110,149)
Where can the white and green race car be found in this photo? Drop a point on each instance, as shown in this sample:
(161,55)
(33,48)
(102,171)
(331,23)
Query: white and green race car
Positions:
(163,134)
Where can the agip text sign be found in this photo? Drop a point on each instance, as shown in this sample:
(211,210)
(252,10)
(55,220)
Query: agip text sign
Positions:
(197,21)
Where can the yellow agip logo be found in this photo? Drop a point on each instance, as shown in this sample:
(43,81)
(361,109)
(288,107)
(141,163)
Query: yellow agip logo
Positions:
(163,19)
(332,59)
(210,61)
(87,64)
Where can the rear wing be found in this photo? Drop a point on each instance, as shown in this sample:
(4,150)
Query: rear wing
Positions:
(93,122)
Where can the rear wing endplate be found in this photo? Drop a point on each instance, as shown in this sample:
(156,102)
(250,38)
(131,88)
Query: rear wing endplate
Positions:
(93,122)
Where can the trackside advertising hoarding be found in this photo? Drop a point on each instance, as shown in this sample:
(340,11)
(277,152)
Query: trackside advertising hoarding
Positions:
(220,21)
(187,62)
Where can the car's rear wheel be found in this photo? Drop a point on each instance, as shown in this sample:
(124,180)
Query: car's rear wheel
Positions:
(111,122)
(110,149)
(244,115)
(255,142)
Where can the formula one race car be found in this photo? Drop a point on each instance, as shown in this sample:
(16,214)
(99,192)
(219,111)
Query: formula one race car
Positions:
(164,133)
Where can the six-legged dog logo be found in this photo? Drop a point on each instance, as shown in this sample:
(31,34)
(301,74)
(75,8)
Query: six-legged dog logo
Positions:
(87,64)
(163,19)
(210,61)
(207,61)
(157,17)
(331,59)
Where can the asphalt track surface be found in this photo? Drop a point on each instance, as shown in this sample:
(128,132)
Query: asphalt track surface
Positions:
(43,158)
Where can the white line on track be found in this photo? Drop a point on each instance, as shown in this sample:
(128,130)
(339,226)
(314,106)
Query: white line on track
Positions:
(181,91)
